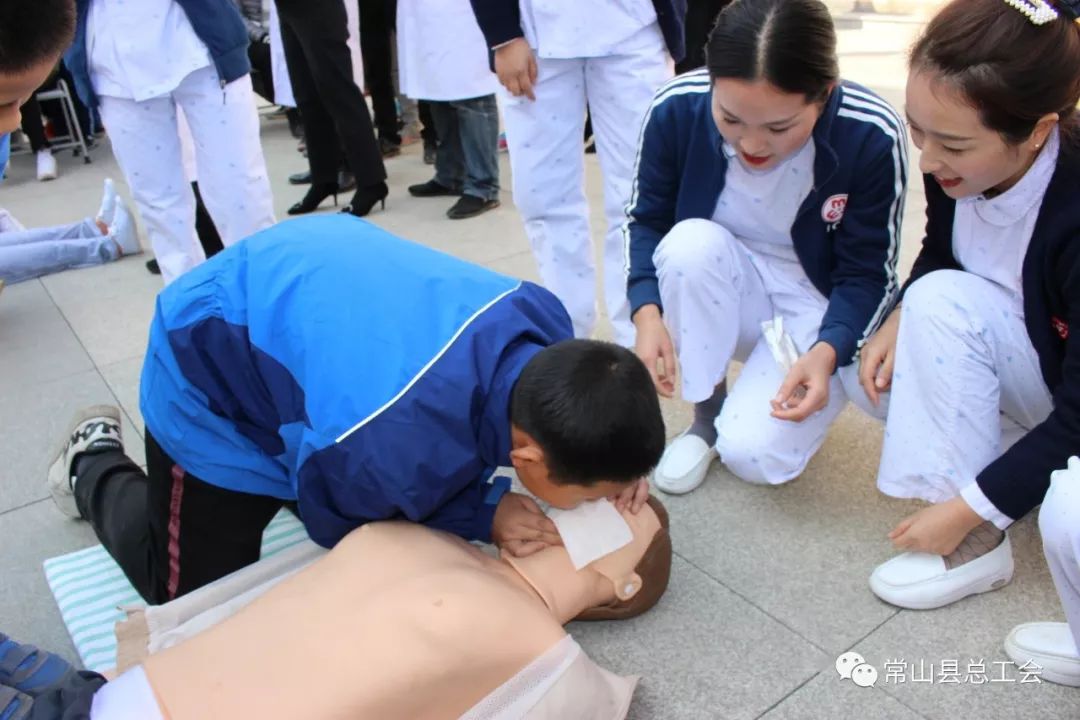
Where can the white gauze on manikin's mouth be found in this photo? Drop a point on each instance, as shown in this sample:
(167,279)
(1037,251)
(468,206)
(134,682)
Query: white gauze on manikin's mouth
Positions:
(591,530)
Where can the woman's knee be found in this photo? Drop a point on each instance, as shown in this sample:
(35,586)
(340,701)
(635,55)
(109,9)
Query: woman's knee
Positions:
(944,297)
(754,455)
(694,248)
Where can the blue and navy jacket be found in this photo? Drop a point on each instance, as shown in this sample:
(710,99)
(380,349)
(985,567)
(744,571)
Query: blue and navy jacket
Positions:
(500,21)
(847,231)
(5,152)
(1018,480)
(367,377)
(217,23)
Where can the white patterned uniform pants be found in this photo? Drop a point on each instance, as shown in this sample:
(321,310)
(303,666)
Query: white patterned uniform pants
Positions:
(716,293)
(966,386)
(1059,522)
(232,172)
(544,138)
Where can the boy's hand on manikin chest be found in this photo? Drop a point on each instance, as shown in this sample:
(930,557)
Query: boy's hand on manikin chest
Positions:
(520,527)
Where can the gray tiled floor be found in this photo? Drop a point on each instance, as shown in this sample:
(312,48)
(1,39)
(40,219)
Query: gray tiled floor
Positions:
(770,583)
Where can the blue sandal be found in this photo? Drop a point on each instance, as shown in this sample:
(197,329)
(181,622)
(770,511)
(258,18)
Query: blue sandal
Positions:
(29,670)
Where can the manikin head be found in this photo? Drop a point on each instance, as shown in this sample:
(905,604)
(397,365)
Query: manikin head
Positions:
(986,88)
(773,65)
(33,35)
(619,585)
(585,422)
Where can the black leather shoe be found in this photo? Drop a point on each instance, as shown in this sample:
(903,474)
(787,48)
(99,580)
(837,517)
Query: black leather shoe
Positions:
(432,189)
(471,206)
(300,178)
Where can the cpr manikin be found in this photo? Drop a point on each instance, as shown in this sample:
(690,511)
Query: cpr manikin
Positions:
(401,621)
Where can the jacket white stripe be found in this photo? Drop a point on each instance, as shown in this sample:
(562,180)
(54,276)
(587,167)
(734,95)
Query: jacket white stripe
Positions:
(899,153)
(427,367)
(853,93)
(694,82)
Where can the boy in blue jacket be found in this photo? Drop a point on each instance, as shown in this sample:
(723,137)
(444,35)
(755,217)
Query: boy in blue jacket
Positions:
(328,363)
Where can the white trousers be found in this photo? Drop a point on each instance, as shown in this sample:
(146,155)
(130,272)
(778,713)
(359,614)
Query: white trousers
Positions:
(283,94)
(966,386)
(716,294)
(232,172)
(29,253)
(547,157)
(1059,522)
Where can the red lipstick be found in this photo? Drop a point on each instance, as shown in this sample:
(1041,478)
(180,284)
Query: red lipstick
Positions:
(755,160)
(948,183)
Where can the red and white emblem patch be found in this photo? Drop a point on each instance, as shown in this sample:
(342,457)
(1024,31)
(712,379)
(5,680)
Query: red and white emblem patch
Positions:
(1061,327)
(833,209)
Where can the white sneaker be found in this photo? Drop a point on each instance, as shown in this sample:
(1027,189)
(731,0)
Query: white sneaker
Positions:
(108,203)
(46,165)
(123,231)
(1051,646)
(684,464)
(93,429)
(919,581)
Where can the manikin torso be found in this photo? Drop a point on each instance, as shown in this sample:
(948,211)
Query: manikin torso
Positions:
(406,595)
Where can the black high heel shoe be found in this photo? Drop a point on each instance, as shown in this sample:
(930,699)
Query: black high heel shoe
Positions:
(363,201)
(314,197)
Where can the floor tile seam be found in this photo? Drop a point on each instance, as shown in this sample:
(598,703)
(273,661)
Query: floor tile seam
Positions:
(67,321)
(794,690)
(752,603)
(508,256)
(25,505)
(131,421)
(865,637)
(93,361)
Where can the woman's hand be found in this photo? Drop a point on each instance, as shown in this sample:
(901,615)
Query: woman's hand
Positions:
(515,66)
(878,358)
(805,390)
(654,347)
(937,529)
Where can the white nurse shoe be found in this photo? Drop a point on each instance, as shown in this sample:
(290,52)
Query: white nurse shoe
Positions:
(920,581)
(1051,646)
(684,465)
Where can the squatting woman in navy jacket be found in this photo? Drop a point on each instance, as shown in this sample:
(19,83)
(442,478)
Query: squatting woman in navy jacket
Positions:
(765,187)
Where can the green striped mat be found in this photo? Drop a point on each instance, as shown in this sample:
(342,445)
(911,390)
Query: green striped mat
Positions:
(90,588)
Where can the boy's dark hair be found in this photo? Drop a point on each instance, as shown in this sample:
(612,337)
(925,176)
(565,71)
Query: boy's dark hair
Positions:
(33,32)
(593,409)
(791,44)
(1009,69)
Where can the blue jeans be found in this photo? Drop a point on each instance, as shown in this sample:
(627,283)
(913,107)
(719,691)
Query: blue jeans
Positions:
(27,254)
(468,156)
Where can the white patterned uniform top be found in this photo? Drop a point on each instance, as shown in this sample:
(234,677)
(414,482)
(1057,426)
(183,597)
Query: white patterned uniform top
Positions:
(441,51)
(759,208)
(588,28)
(991,235)
(141,49)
